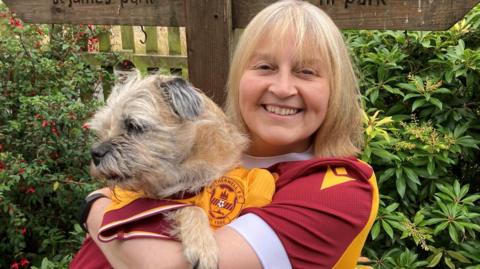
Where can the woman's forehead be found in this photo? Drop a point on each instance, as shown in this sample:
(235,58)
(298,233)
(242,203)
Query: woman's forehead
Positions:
(272,49)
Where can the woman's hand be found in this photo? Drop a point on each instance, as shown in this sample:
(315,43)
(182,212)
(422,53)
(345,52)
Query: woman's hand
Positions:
(95,216)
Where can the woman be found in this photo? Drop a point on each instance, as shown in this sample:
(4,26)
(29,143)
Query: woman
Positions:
(292,89)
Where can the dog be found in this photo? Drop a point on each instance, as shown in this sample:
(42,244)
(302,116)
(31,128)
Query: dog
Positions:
(163,137)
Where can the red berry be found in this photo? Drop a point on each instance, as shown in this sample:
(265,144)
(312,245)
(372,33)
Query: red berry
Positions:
(55,131)
(30,190)
(24,262)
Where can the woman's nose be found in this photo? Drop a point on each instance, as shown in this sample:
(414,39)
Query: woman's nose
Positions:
(284,85)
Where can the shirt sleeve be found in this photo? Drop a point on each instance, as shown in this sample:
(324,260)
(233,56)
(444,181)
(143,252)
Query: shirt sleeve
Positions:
(323,217)
(263,240)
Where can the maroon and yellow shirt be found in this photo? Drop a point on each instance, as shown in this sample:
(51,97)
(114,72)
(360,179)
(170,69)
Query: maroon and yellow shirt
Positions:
(322,211)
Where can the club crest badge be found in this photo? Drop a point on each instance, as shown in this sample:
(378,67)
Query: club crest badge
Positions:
(227,199)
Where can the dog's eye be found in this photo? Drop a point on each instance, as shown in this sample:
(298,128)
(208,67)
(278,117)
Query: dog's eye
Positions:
(133,127)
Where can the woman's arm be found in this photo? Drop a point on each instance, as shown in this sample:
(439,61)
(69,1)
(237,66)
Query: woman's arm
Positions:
(235,252)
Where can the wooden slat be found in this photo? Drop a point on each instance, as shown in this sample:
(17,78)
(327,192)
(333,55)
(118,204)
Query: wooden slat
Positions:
(127,38)
(104,42)
(147,60)
(174,45)
(374,14)
(209,39)
(151,45)
(111,12)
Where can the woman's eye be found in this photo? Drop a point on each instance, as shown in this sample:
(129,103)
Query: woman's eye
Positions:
(264,67)
(307,71)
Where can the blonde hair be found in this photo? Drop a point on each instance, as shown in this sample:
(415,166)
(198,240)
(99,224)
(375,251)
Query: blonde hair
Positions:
(341,132)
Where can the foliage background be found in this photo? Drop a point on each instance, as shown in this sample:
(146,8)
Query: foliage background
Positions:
(421,93)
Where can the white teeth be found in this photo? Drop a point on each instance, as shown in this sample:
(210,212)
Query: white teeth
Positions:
(283,111)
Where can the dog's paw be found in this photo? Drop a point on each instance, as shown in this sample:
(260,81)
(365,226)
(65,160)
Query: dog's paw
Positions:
(193,229)
(204,255)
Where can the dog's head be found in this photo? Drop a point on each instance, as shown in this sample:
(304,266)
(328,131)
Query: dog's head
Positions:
(161,136)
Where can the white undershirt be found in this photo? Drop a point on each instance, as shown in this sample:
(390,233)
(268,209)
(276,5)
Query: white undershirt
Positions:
(261,237)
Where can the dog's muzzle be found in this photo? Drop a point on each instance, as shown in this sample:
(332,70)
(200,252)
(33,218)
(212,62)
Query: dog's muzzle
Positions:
(99,152)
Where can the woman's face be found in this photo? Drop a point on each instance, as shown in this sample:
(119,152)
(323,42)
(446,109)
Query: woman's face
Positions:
(283,101)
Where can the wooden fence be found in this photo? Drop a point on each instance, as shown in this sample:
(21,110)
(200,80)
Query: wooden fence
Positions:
(148,48)
(210,24)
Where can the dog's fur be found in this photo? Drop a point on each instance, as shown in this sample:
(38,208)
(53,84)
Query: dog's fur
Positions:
(163,137)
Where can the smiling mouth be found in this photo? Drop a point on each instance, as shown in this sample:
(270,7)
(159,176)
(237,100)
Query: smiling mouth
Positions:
(282,111)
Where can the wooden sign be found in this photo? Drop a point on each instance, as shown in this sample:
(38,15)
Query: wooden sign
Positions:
(375,14)
(107,12)
(348,14)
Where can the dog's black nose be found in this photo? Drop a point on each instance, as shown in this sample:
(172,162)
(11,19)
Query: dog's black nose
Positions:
(99,151)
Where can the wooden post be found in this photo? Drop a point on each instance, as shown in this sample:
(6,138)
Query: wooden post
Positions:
(151,45)
(209,40)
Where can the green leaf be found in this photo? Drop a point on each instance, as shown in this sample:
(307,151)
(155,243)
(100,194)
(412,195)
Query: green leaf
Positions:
(431,167)
(407,86)
(393,90)
(388,229)
(411,95)
(445,190)
(384,154)
(391,207)
(435,260)
(411,175)
(458,256)
(373,96)
(418,103)
(375,230)
(387,174)
(442,90)
(459,226)
(460,130)
(468,142)
(433,221)
(470,199)
(419,217)
(449,76)
(440,227)
(436,102)
(401,185)
(456,188)
(453,233)
(449,263)
(443,207)
(472,226)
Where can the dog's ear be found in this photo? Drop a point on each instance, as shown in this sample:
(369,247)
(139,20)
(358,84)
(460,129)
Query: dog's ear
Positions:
(185,101)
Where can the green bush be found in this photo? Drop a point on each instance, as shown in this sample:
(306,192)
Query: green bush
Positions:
(45,97)
(421,93)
